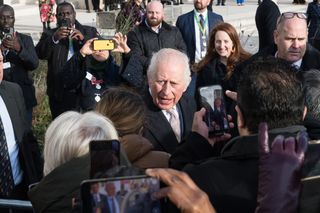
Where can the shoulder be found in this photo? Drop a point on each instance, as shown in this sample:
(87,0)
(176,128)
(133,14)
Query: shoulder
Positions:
(213,15)
(7,85)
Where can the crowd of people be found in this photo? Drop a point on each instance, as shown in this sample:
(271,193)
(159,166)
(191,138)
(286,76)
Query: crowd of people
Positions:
(151,104)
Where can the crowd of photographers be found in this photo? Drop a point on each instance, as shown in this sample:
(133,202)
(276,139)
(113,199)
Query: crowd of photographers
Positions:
(249,145)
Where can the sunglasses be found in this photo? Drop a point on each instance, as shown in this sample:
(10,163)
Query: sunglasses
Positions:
(289,15)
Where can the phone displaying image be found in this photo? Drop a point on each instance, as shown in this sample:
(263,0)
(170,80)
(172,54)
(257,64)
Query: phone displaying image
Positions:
(103,44)
(120,195)
(104,155)
(212,99)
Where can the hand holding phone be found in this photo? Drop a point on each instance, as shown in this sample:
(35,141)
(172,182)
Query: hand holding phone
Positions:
(212,99)
(122,194)
(103,44)
(104,155)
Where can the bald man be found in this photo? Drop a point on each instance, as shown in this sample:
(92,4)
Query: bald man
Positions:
(147,38)
(290,38)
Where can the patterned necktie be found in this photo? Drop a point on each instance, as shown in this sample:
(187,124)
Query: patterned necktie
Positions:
(203,36)
(6,178)
(175,123)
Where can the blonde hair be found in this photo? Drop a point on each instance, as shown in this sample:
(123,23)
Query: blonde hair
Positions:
(68,137)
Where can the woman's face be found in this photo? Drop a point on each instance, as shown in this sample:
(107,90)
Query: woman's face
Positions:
(223,44)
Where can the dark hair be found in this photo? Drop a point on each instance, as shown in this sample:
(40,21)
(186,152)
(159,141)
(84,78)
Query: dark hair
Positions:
(6,7)
(238,54)
(312,93)
(63,4)
(125,108)
(270,91)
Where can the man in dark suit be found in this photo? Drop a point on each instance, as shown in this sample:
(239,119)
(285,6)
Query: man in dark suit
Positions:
(20,57)
(57,46)
(170,111)
(290,38)
(195,27)
(22,148)
(266,21)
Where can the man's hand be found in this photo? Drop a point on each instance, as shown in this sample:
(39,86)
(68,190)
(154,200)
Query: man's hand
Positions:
(12,43)
(121,43)
(182,191)
(199,126)
(76,34)
(61,33)
(232,95)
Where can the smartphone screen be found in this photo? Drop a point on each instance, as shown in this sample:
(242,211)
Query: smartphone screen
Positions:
(212,99)
(104,155)
(123,194)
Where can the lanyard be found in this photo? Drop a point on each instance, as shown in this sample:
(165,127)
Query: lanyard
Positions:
(202,29)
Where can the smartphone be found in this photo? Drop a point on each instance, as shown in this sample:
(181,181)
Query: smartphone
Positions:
(123,194)
(212,99)
(66,22)
(103,44)
(8,33)
(104,155)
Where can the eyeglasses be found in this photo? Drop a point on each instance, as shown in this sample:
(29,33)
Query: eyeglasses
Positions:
(290,15)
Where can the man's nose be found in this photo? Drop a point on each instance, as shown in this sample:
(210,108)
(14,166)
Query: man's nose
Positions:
(166,88)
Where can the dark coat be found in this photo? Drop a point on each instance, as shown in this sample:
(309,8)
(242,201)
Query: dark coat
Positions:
(232,178)
(29,154)
(313,12)
(143,42)
(73,76)
(21,63)
(266,21)
(56,55)
(158,130)
(55,191)
(185,23)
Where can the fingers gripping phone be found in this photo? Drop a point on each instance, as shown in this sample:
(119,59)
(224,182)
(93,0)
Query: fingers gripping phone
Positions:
(122,194)
(212,99)
(104,155)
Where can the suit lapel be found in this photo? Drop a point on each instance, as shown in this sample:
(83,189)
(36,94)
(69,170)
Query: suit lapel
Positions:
(158,125)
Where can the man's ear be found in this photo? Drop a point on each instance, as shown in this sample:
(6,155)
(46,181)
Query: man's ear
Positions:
(240,118)
(275,36)
(305,110)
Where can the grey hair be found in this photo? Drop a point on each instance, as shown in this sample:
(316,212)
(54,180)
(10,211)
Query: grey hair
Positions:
(166,54)
(68,137)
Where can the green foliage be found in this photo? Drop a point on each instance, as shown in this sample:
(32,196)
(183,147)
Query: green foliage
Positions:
(41,113)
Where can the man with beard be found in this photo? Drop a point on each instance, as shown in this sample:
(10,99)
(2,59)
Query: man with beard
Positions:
(195,27)
(147,38)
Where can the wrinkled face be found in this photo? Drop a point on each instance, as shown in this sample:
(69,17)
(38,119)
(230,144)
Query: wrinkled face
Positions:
(168,83)
(154,14)
(101,55)
(201,5)
(7,19)
(110,189)
(66,12)
(291,40)
(223,44)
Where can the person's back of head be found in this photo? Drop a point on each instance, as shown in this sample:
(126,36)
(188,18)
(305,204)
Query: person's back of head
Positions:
(124,108)
(68,137)
(270,91)
(312,93)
